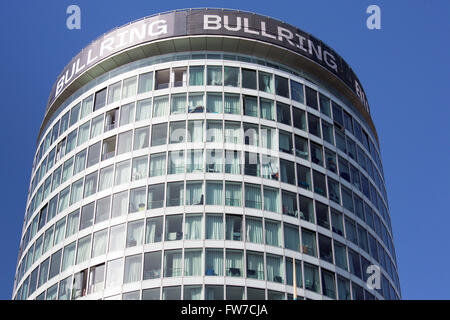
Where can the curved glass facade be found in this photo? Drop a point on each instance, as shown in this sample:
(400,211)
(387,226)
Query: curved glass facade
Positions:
(206,176)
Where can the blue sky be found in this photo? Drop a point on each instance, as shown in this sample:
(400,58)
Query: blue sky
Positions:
(404,68)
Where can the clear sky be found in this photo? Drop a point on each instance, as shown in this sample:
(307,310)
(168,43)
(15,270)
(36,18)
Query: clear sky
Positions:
(404,69)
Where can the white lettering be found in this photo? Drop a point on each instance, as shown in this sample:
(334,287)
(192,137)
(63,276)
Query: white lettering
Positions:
(301,39)
(317,51)
(78,66)
(140,34)
(89,59)
(71,74)
(106,45)
(264,33)
(59,85)
(157,28)
(329,60)
(211,22)
(286,34)
(227,26)
(122,41)
(246,28)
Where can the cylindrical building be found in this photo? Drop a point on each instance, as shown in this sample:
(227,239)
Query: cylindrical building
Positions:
(207,154)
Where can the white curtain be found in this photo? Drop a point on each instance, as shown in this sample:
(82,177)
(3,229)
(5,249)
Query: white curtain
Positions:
(196,75)
(291,238)
(232,194)
(255,262)
(274,269)
(133,266)
(120,204)
(193,263)
(175,192)
(99,245)
(195,131)
(234,260)
(176,162)
(157,164)
(232,104)
(154,228)
(254,231)
(178,104)
(106,178)
(214,131)
(232,133)
(195,161)
(145,82)
(76,191)
(214,75)
(269,167)
(267,138)
(137,199)
(173,264)
(122,173)
(86,107)
(143,109)
(135,233)
(129,87)
(194,193)
(161,106)
(193,227)
(253,196)
(116,238)
(232,162)
(196,102)
(69,256)
(97,126)
(214,193)
(80,161)
(271,199)
(139,168)
(214,102)
(251,106)
(214,160)
(72,224)
(214,262)
(267,109)
(214,227)
(141,138)
(273,234)
(84,246)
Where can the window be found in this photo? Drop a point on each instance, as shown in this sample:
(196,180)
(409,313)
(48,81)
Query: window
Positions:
(159,134)
(311,98)
(194,161)
(68,257)
(84,246)
(214,75)
(273,233)
(160,106)
(232,103)
(340,254)
(214,226)
(327,130)
(175,194)
(114,273)
(152,265)
(322,215)
(283,113)
(314,125)
(196,75)
(55,264)
(287,171)
(142,109)
(233,194)
(301,147)
(153,230)
(194,193)
(162,79)
(265,82)
(157,164)
(290,273)
(214,161)
(347,200)
(133,267)
(179,76)
(193,227)
(100,99)
(178,104)
(140,138)
(304,177)
(271,199)
(74,114)
(328,284)
(333,190)
(348,121)
(173,263)
(124,142)
(196,103)
(176,162)
(282,86)
(268,137)
(311,277)
(79,285)
(117,238)
(343,169)
(214,194)
(87,216)
(102,209)
(291,237)
(355,264)
(319,183)
(93,154)
(325,249)
(249,79)
(139,168)
(71,140)
(231,76)
(214,131)
(120,204)
(233,228)
(275,268)
(109,148)
(336,222)
(316,154)
(135,233)
(309,243)
(126,114)
(255,265)
(129,87)
(297,91)
(195,131)
(330,160)
(337,114)
(76,193)
(192,263)
(252,196)
(145,82)
(232,162)
(214,102)
(267,109)
(325,105)
(137,199)
(122,174)
(340,140)
(285,142)
(250,106)
(299,119)
(350,230)
(234,263)
(214,262)
(155,196)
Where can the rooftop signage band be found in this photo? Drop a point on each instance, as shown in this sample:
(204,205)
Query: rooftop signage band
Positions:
(208,22)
